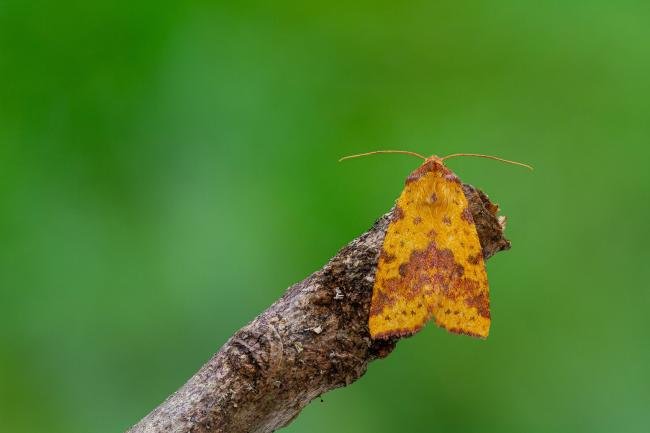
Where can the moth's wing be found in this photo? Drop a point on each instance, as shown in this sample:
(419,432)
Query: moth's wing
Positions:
(431,261)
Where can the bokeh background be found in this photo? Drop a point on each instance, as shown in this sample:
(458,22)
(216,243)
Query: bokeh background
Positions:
(168,169)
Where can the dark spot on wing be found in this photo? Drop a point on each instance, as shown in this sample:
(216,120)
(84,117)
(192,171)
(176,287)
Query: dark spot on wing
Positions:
(386,256)
(481,302)
(467,215)
(379,301)
(451,177)
(475,259)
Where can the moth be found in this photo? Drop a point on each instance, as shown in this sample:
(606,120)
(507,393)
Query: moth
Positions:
(431,262)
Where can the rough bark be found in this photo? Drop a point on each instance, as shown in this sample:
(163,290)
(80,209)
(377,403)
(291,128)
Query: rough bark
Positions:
(312,340)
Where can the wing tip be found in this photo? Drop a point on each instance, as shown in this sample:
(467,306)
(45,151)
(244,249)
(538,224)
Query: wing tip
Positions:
(469,333)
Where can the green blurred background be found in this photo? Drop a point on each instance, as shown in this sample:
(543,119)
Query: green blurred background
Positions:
(167,169)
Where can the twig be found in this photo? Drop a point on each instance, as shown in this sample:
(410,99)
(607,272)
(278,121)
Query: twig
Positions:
(313,339)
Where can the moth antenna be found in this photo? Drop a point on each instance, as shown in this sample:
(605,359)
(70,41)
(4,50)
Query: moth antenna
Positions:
(479,155)
(406,152)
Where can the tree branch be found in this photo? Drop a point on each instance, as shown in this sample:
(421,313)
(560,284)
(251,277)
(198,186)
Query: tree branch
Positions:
(312,340)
